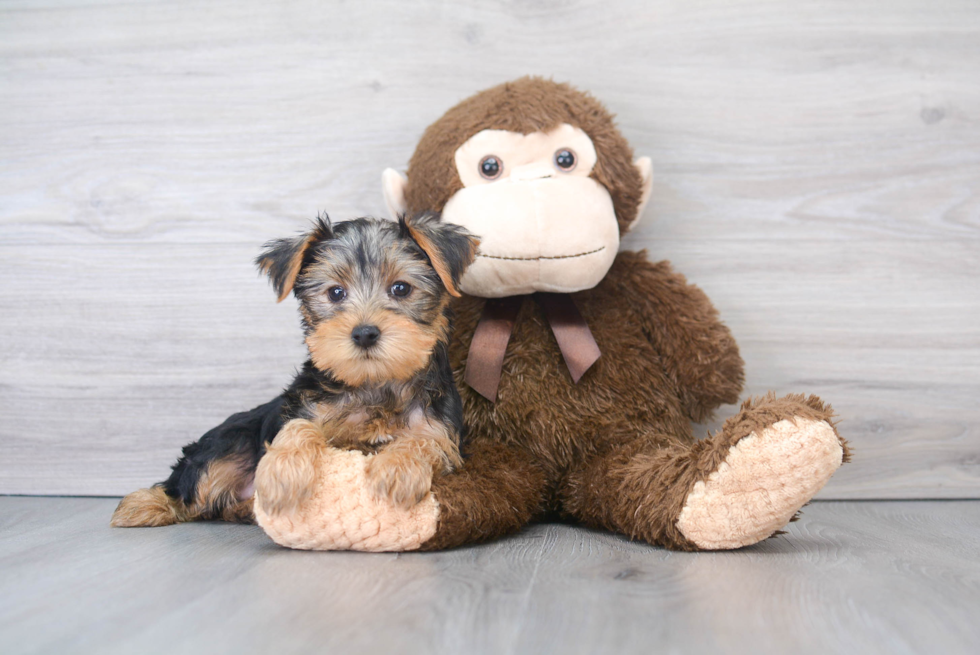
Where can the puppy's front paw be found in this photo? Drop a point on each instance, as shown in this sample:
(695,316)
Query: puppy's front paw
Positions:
(401,477)
(286,474)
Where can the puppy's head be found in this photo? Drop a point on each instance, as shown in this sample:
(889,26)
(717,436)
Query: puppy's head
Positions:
(373,293)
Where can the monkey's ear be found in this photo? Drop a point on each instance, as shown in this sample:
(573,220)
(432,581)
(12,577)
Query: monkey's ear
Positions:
(282,259)
(393,185)
(645,168)
(450,248)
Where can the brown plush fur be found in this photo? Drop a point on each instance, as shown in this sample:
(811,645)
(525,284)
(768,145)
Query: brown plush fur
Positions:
(615,450)
(634,387)
(498,491)
(640,471)
(526,105)
(638,398)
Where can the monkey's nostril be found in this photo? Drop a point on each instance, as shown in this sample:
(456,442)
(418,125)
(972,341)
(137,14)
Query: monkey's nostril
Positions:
(365,336)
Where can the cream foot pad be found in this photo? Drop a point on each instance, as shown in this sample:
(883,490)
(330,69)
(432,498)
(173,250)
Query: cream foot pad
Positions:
(341,514)
(765,479)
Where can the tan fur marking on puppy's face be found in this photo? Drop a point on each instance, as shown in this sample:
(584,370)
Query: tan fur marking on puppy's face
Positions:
(372,275)
(403,349)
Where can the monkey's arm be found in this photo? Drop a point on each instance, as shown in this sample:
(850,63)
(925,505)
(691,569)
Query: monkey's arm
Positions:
(496,492)
(698,351)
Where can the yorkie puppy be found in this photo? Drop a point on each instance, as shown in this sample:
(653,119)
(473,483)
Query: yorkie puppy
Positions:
(374,298)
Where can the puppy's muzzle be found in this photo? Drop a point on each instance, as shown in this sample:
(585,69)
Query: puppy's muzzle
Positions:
(365,336)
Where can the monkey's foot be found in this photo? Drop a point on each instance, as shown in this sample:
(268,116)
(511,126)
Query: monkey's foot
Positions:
(341,512)
(763,481)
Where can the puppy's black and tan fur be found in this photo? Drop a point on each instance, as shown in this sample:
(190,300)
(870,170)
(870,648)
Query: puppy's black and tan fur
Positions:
(374,297)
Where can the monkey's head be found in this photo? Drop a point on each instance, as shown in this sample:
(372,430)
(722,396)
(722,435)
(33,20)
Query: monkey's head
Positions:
(540,173)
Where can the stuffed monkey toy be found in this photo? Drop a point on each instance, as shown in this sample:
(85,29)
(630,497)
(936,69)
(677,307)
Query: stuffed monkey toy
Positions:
(580,367)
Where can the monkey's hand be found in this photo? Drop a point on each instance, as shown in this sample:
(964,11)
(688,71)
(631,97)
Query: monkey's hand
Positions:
(696,348)
(341,510)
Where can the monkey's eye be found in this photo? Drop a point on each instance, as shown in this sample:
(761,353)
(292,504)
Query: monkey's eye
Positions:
(491,167)
(401,289)
(565,159)
(336,294)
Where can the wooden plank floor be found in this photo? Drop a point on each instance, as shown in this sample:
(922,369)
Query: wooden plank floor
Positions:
(850,577)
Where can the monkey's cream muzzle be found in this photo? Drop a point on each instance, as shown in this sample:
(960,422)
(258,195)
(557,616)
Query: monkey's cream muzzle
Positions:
(554,234)
(546,229)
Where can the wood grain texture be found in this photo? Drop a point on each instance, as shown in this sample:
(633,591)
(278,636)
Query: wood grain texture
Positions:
(817,172)
(850,577)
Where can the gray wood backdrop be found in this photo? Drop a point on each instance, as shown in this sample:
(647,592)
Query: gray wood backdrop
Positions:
(817,173)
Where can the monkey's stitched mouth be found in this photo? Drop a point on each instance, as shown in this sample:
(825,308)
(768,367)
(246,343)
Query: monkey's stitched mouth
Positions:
(534,259)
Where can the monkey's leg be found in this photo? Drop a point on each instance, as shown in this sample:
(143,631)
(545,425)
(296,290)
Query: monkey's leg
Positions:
(213,477)
(495,492)
(730,490)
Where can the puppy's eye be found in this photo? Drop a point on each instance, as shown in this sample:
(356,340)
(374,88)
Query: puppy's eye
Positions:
(565,159)
(491,167)
(401,289)
(336,294)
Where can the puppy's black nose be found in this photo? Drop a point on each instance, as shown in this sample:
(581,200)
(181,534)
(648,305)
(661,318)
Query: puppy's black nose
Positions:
(365,336)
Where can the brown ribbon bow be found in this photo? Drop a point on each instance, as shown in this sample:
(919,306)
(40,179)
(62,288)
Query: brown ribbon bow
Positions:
(486,356)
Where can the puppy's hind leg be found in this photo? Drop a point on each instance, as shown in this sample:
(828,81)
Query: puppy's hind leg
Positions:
(213,477)
(222,491)
(148,508)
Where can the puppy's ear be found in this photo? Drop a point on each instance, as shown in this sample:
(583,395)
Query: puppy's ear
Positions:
(450,248)
(282,259)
